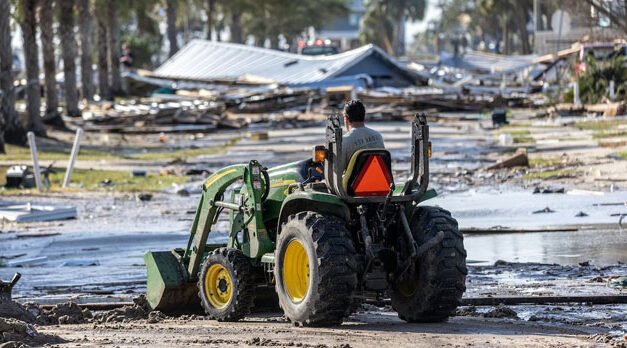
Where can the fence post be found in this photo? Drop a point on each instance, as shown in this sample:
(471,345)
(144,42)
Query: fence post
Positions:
(35,157)
(73,155)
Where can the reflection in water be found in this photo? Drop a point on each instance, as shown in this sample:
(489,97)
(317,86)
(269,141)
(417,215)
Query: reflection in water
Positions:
(600,246)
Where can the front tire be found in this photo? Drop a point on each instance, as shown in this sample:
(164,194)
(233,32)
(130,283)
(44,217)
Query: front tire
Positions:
(435,288)
(314,271)
(225,284)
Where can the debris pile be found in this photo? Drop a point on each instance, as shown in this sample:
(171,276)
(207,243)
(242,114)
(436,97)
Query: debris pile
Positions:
(61,314)
(501,311)
(16,333)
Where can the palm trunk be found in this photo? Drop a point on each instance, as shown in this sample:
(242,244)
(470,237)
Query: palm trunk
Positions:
(210,10)
(11,129)
(68,46)
(28,23)
(113,32)
(46,18)
(399,32)
(103,59)
(236,27)
(171,21)
(85,23)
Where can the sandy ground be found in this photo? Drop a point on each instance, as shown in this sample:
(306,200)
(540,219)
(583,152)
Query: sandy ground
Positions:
(369,329)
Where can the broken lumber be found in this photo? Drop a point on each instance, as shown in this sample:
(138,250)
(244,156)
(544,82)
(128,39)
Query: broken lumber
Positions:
(520,159)
(539,300)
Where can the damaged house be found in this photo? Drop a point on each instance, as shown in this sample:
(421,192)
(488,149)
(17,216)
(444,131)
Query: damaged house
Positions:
(210,61)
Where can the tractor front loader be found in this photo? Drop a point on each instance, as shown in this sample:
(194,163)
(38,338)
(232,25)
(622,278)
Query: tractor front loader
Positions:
(325,235)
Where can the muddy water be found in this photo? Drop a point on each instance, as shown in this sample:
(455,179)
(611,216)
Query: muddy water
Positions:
(599,246)
(512,208)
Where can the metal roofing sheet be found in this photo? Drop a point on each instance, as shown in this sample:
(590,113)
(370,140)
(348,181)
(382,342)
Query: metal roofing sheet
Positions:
(209,61)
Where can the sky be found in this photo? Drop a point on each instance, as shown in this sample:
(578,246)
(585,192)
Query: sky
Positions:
(432,12)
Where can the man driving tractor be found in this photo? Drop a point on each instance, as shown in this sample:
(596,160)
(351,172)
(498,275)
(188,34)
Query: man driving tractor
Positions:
(359,136)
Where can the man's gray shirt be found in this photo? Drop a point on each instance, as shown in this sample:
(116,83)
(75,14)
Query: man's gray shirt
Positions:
(358,139)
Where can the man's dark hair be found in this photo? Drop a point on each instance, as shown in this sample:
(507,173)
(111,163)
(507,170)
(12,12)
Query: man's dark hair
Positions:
(355,111)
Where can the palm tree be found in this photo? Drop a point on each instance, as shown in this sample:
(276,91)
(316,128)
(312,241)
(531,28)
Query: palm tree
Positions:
(27,16)
(85,23)
(113,32)
(46,15)
(103,59)
(68,44)
(11,130)
(171,20)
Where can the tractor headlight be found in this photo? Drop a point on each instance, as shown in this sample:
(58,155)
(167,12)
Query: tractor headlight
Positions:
(429,150)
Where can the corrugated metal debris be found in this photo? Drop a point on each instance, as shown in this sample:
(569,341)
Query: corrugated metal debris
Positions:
(31,212)
(211,61)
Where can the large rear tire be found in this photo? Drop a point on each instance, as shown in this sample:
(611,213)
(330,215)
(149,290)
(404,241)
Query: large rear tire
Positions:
(434,290)
(226,285)
(314,269)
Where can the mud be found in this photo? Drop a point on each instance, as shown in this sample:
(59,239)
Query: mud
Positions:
(126,314)
(16,333)
(501,311)
(14,310)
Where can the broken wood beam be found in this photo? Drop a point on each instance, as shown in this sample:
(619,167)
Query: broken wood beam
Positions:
(540,300)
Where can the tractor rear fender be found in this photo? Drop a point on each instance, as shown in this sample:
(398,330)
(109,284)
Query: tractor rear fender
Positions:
(318,202)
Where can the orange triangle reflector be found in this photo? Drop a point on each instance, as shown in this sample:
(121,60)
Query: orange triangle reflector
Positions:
(374,179)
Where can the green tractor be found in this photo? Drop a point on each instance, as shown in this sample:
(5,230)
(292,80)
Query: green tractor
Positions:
(323,238)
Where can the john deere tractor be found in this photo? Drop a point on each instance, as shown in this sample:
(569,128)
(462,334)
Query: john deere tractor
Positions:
(324,235)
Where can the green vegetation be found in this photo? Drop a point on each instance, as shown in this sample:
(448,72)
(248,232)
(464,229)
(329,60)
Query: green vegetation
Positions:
(94,180)
(600,125)
(16,153)
(520,135)
(550,174)
(610,134)
(623,155)
(594,82)
(544,162)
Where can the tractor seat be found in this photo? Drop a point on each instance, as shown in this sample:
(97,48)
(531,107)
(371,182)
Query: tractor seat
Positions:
(369,173)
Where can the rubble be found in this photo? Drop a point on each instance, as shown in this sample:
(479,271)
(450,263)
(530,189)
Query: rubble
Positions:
(62,314)
(138,311)
(501,311)
(17,333)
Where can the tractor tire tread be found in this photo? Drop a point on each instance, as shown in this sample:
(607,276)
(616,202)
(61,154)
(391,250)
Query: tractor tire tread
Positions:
(244,293)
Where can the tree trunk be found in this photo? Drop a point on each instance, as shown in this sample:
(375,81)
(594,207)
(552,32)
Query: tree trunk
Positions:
(113,32)
(103,59)
(11,129)
(46,18)
(28,23)
(210,10)
(171,22)
(85,23)
(398,40)
(68,46)
(236,27)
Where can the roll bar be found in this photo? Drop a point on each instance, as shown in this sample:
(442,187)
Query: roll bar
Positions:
(413,189)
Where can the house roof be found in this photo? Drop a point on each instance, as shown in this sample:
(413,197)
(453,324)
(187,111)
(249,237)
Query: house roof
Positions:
(203,60)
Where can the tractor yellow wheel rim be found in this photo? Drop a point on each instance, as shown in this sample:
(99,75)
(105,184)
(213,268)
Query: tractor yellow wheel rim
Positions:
(296,271)
(218,286)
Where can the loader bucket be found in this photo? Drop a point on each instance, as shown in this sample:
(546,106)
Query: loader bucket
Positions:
(167,288)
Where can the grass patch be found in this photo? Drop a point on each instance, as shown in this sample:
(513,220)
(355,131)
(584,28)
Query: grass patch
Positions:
(16,153)
(544,162)
(609,134)
(550,174)
(622,155)
(92,179)
(600,125)
(520,136)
